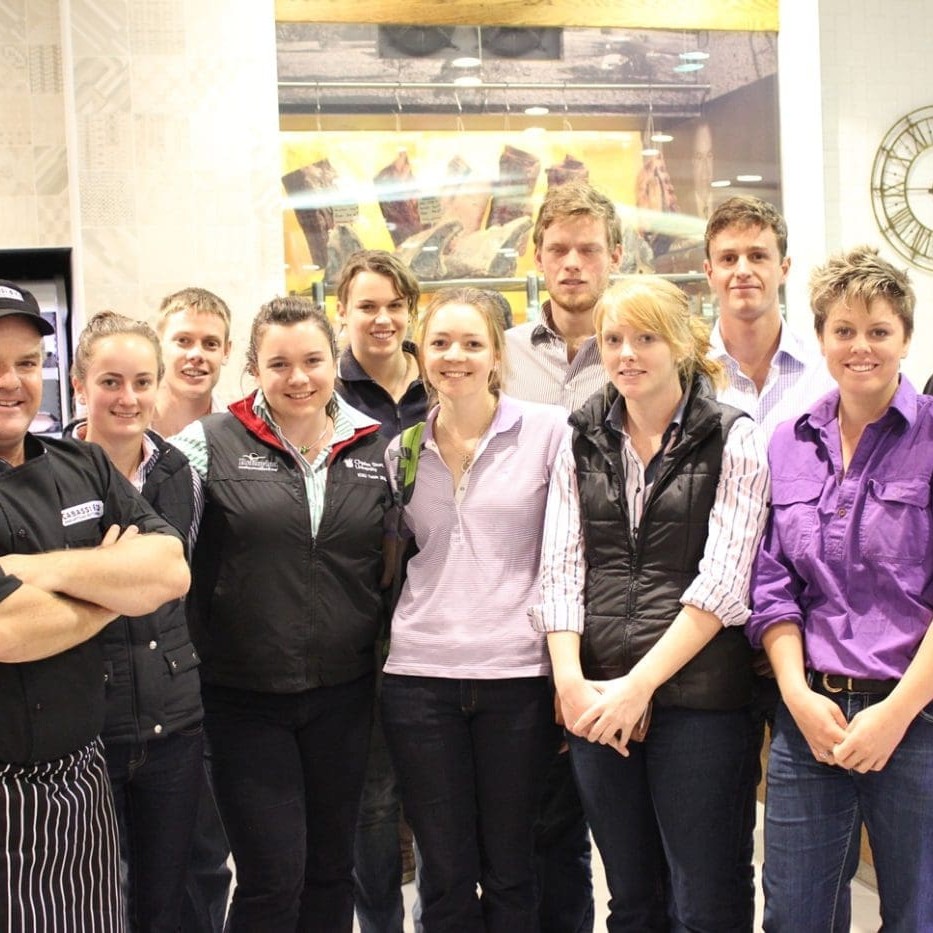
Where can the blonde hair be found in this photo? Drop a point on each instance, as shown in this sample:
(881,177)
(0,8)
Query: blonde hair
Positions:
(657,306)
(861,276)
(197,301)
(577,199)
(487,306)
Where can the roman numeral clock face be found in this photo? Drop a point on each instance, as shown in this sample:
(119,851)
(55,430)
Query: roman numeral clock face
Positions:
(902,187)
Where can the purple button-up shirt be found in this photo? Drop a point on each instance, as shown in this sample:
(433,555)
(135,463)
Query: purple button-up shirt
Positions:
(849,557)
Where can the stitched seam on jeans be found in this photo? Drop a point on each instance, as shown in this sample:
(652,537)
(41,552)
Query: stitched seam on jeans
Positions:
(840,882)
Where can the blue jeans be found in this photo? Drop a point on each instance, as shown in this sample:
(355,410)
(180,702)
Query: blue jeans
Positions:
(674,821)
(562,851)
(470,757)
(377,868)
(813,819)
(288,772)
(155,794)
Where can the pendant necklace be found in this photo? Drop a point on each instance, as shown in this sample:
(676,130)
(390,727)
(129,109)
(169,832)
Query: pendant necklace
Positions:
(466,456)
(304,448)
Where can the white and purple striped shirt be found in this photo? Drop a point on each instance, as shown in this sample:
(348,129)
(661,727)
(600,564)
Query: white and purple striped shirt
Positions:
(462,610)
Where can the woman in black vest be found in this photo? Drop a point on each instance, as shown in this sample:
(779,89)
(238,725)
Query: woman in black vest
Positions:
(285,608)
(153,739)
(645,585)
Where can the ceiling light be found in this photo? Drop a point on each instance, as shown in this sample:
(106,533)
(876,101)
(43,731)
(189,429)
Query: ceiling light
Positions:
(686,67)
(649,151)
(536,111)
(661,138)
(468,61)
(534,130)
(748,177)
(468,81)
(695,56)
(721,183)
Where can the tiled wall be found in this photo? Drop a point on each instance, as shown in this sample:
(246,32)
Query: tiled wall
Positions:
(33,156)
(172,134)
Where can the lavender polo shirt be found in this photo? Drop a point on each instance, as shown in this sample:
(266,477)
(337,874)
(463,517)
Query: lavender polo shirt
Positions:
(850,558)
(462,612)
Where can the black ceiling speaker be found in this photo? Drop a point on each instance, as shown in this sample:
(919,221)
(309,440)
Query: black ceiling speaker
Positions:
(418,41)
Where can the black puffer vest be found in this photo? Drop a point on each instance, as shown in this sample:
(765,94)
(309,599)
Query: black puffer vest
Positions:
(272,607)
(633,589)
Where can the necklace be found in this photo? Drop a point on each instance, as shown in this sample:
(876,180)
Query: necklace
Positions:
(304,448)
(466,455)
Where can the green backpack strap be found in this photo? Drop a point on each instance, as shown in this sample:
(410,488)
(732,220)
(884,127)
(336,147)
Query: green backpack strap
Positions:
(409,452)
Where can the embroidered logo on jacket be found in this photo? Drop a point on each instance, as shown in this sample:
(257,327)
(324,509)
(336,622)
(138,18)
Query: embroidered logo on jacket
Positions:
(85,512)
(366,469)
(254,461)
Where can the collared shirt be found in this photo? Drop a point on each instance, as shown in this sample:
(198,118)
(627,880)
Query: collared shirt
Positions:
(847,555)
(462,610)
(797,378)
(537,369)
(361,391)
(735,525)
(192,442)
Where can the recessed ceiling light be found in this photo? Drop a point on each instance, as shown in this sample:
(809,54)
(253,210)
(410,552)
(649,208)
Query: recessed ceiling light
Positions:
(649,151)
(468,81)
(536,111)
(467,61)
(686,67)
(748,177)
(694,56)
(661,138)
(721,183)
(534,130)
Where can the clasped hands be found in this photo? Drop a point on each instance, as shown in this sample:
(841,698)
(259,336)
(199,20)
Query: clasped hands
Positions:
(603,711)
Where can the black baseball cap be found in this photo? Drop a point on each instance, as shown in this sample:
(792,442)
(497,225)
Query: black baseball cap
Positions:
(16,300)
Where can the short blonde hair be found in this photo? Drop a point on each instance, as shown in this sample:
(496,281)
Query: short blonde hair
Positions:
(196,300)
(657,306)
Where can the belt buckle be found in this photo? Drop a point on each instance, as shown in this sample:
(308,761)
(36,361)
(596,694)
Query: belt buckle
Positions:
(830,689)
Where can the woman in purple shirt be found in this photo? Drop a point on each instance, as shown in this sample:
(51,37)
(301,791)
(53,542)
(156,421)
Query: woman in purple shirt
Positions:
(843,599)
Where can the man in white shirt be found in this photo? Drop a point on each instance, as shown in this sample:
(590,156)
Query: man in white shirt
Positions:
(578,244)
(773,374)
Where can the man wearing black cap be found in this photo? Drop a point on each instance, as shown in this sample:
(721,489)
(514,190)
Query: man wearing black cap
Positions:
(78,548)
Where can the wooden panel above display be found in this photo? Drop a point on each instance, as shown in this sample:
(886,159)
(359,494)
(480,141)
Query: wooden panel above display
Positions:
(750,15)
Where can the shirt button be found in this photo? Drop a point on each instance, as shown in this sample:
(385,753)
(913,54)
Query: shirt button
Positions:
(157,729)
(21,532)
(841,513)
(153,645)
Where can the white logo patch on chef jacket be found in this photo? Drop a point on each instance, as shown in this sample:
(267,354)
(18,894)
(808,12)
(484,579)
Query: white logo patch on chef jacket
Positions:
(85,512)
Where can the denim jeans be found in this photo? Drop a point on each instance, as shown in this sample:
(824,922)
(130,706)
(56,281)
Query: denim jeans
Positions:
(562,851)
(155,794)
(207,888)
(813,818)
(288,772)
(674,821)
(470,757)
(377,868)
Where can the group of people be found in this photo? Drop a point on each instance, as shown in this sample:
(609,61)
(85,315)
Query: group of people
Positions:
(524,585)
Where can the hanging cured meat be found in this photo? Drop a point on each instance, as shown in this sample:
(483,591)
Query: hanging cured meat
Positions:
(397,191)
(518,175)
(491,252)
(570,169)
(312,192)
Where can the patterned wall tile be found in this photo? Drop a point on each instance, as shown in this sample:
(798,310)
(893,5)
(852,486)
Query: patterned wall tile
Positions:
(54,213)
(45,69)
(169,248)
(160,140)
(43,22)
(48,119)
(102,85)
(105,142)
(157,26)
(99,28)
(161,84)
(166,198)
(15,120)
(107,199)
(51,170)
(19,226)
(12,22)
(16,171)
(14,69)
(110,255)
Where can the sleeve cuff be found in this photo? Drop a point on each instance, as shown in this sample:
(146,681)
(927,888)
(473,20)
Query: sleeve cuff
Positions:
(718,600)
(556,617)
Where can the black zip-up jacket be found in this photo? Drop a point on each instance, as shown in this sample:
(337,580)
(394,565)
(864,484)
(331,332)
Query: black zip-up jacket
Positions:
(633,589)
(150,663)
(273,608)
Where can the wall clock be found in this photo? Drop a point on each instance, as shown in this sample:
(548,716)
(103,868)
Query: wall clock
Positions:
(902,187)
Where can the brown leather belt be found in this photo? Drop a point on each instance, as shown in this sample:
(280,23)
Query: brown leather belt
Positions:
(841,683)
